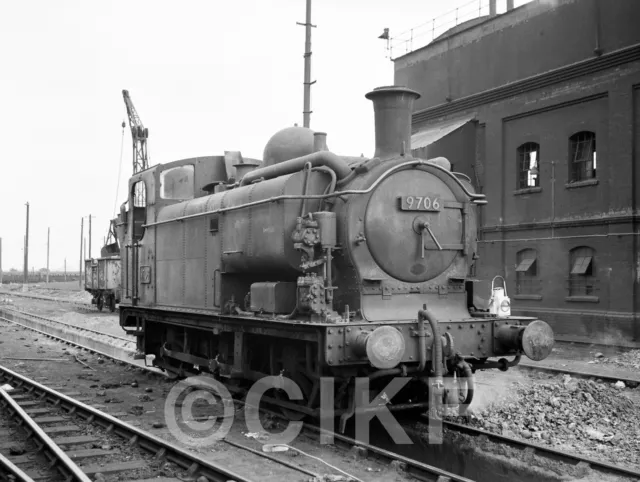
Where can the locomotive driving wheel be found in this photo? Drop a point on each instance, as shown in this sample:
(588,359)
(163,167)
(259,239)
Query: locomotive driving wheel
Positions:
(291,368)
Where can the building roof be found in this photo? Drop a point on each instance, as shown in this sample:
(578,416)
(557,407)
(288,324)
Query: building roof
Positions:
(431,134)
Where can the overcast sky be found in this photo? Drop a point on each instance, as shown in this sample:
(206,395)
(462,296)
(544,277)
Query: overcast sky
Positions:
(205,76)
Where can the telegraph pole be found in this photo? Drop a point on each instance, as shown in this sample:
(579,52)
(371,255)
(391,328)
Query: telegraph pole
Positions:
(48,232)
(65,270)
(26,251)
(81,238)
(0,262)
(89,236)
(307,67)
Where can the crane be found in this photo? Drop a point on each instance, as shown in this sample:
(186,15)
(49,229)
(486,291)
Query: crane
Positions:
(139,135)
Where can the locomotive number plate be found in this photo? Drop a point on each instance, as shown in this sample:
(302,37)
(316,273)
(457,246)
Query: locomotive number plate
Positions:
(420,203)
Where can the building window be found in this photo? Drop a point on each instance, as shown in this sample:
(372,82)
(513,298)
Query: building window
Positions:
(582,281)
(582,156)
(528,165)
(527,272)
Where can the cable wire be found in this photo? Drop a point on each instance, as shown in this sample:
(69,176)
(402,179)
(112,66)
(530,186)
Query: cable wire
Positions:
(115,202)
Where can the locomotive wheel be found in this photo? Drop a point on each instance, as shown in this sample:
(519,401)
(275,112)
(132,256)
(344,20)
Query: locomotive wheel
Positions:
(290,364)
(100,303)
(305,386)
(112,303)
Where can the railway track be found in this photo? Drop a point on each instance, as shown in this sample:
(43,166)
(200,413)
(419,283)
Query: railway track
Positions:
(424,471)
(63,417)
(415,468)
(58,441)
(628,381)
(85,307)
(105,344)
(575,462)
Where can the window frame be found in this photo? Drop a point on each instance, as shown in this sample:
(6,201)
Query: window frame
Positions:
(162,183)
(523,152)
(527,275)
(583,279)
(582,158)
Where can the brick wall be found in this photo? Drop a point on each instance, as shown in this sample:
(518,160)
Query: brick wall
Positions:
(603,97)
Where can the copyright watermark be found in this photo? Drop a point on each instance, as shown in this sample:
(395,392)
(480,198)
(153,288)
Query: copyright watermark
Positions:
(189,403)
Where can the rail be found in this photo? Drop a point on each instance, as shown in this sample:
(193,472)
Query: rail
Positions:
(69,325)
(146,441)
(99,347)
(56,456)
(545,452)
(423,471)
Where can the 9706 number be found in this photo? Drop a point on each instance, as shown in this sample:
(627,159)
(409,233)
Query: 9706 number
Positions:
(419,203)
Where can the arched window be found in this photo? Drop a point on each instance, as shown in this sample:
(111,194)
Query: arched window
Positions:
(582,279)
(527,272)
(582,156)
(528,165)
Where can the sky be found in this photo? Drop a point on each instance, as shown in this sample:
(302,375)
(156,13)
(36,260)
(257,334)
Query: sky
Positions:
(204,75)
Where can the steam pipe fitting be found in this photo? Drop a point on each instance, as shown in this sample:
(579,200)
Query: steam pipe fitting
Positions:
(503,364)
(468,375)
(305,187)
(436,354)
(320,158)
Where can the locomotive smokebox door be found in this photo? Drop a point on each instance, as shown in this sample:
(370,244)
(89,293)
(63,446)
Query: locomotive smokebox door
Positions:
(414,226)
(273,297)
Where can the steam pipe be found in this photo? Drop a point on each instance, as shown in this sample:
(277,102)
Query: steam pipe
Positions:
(436,353)
(307,175)
(503,364)
(468,375)
(320,158)
(332,186)
(475,198)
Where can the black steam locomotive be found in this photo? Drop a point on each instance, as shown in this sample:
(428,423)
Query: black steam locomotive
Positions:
(308,264)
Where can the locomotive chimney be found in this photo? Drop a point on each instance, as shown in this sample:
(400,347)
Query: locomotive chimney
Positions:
(392,107)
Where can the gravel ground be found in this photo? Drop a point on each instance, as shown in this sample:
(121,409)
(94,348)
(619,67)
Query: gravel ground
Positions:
(590,418)
(627,360)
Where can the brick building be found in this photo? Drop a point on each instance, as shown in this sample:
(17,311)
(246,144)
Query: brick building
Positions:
(540,107)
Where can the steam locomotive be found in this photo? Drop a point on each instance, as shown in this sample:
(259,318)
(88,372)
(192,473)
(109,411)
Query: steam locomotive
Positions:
(308,264)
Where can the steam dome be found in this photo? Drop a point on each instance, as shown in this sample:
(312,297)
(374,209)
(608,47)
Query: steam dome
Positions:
(288,143)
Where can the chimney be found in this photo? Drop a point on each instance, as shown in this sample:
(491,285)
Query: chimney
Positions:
(320,141)
(509,5)
(392,107)
(492,8)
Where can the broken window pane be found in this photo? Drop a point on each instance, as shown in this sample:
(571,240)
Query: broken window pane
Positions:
(528,165)
(582,152)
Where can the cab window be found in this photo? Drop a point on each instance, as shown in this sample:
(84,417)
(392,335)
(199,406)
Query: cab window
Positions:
(177,183)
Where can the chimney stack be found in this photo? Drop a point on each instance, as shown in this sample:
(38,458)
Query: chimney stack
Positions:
(392,108)
(493,10)
(509,5)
